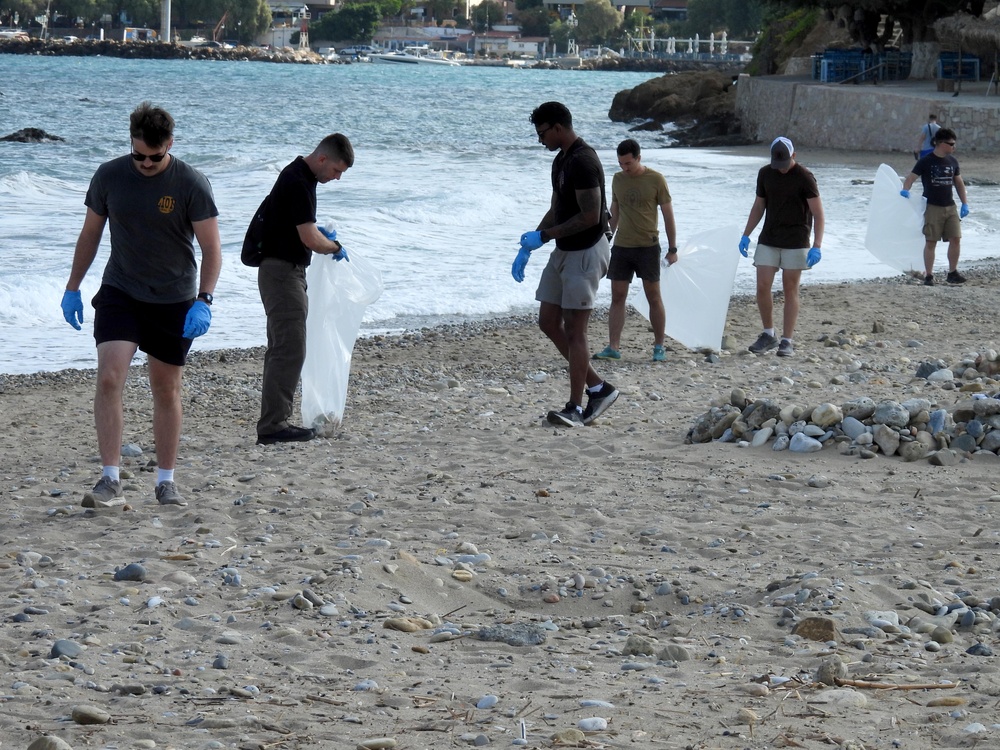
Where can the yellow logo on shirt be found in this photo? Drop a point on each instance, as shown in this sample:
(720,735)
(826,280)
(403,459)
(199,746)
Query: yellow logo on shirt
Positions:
(166,204)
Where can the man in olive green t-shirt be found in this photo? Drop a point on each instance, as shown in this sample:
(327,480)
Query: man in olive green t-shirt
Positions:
(637,192)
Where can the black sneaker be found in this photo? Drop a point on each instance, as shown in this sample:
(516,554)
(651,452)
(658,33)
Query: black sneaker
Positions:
(765,342)
(599,402)
(929,280)
(954,277)
(568,417)
(290,434)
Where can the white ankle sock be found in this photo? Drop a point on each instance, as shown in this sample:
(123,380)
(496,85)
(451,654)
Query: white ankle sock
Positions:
(769,331)
(113,472)
(164,475)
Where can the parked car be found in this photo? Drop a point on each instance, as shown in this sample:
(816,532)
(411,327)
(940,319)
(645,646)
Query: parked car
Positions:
(359,50)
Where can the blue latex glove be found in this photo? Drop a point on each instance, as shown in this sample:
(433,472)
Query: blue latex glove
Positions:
(531,241)
(963,211)
(330,234)
(814,257)
(198,319)
(745,246)
(520,262)
(72,307)
(342,255)
(905,193)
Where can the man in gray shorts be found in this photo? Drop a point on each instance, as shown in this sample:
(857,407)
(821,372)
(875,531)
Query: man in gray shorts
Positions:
(577,221)
(789,202)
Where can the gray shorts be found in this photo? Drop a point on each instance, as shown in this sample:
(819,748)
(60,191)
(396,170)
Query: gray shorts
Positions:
(571,278)
(789,259)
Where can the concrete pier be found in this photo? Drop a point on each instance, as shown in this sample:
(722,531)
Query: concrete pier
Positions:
(868,117)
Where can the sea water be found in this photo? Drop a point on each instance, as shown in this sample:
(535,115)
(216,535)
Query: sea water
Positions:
(448,174)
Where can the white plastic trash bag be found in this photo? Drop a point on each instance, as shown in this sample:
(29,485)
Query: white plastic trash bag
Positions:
(895,224)
(697,288)
(339,292)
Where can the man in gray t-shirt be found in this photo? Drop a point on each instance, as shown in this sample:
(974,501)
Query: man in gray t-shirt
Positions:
(151,297)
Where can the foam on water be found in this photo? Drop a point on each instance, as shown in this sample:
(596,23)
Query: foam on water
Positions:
(448,175)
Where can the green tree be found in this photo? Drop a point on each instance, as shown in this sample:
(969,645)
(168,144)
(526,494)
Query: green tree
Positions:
(534,21)
(598,22)
(862,17)
(488,14)
(739,18)
(356,22)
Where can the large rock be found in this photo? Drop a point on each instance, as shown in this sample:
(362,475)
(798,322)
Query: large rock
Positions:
(702,104)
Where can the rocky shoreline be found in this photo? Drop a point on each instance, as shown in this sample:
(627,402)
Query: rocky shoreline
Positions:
(155,51)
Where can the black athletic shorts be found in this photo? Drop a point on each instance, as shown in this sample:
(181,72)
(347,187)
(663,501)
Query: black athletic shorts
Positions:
(157,329)
(644,262)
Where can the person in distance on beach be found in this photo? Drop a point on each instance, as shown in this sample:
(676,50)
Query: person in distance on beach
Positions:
(939,173)
(788,201)
(925,144)
(151,297)
(290,238)
(637,193)
(577,221)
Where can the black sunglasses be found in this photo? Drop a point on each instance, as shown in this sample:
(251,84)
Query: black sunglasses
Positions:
(155,158)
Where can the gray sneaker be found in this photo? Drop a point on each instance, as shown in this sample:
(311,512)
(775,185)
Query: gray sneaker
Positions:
(785,349)
(107,493)
(765,342)
(167,494)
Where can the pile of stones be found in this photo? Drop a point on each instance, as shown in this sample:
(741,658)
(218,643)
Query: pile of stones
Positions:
(914,429)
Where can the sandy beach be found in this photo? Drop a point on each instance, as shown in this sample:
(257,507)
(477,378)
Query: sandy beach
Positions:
(449,570)
(447,499)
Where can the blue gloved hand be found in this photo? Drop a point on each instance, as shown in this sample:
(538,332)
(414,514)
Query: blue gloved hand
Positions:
(905,193)
(342,254)
(198,319)
(72,307)
(531,241)
(330,234)
(520,262)
(963,211)
(814,257)
(745,246)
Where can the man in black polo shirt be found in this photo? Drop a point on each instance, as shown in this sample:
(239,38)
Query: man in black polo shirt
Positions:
(290,237)
(578,221)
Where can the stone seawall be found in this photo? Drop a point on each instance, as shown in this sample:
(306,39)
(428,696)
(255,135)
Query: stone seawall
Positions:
(866,117)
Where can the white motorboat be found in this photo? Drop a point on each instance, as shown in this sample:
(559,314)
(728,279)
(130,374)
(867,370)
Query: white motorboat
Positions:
(414,56)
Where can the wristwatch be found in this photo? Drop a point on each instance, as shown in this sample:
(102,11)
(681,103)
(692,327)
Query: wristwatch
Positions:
(671,250)
(206,298)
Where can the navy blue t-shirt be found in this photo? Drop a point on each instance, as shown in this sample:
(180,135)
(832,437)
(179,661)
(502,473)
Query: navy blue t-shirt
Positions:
(937,173)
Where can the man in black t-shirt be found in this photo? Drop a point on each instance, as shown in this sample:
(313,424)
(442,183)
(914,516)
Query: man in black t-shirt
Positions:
(289,239)
(788,201)
(939,173)
(577,220)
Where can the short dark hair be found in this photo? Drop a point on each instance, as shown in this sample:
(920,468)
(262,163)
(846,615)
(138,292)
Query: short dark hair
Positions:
(152,125)
(944,134)
(552,113)
(337,147)
(932,116)
(629,146)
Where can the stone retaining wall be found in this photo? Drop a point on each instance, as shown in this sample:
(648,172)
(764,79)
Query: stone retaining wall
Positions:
(863,117)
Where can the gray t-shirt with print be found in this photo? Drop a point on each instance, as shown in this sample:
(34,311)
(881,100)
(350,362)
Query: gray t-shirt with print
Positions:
(152,250)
